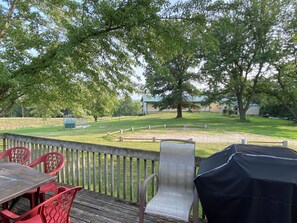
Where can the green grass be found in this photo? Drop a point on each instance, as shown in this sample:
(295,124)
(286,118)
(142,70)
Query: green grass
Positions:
(217,124)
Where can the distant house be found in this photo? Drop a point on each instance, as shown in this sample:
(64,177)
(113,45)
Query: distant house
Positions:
(254,108)
(149,102)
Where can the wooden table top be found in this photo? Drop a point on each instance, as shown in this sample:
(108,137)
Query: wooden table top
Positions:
(17,179)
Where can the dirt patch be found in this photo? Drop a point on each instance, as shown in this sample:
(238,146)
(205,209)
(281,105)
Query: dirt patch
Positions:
(204,137)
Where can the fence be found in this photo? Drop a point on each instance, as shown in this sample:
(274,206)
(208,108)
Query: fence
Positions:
(153,139)
(164,126)
(109,170)
(283,143)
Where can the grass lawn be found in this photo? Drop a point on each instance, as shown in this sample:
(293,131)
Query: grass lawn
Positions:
(221,131)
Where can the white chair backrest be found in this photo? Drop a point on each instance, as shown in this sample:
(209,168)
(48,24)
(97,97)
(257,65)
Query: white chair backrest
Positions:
(176,166)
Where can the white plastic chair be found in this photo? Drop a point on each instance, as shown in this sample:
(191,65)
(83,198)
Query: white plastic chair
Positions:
(176,193)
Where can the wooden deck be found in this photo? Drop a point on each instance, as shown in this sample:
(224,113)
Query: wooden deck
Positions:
(93,207)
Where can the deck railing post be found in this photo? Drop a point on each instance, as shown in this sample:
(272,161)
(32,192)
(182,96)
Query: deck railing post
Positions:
(4,144)
(2,136)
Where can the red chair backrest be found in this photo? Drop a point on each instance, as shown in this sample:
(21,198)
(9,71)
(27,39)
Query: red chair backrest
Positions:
(18,154)
(55,209)
(52,162)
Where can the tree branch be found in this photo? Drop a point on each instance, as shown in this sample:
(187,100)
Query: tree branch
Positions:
(7,20)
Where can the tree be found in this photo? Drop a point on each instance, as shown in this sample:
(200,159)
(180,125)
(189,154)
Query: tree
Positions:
(282,85)
(128,107)
(52,50)
(286,67)
(272,107)
(171,70)
(239,48)
(173,82)
(102,105)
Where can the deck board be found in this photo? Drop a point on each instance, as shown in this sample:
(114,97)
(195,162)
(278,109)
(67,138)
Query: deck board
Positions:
(95,207)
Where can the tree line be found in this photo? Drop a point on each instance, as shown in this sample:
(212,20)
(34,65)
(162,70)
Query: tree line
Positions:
(81,55)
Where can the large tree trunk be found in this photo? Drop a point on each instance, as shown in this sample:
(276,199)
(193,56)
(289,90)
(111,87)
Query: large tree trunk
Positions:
(241,109)
(242,114)
(179,111)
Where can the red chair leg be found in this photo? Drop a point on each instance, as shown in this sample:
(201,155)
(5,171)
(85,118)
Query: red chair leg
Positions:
(5,206)
(4,220)
(33,201)
(42,197)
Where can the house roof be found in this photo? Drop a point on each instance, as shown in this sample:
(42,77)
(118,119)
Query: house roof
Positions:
(151,99)
(159,98)
(197,98)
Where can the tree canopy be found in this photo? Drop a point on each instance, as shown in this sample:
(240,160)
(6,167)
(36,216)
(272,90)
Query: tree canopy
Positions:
(241,48)
(55,54)
(283,85)
(80,55)
(171,70)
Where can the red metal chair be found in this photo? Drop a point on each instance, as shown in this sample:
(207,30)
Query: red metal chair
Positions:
(51,163)
(18,154)
(54,210)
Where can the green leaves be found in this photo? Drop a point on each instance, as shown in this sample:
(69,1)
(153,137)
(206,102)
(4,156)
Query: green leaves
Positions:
(170,61)
(63,54)
(240,50)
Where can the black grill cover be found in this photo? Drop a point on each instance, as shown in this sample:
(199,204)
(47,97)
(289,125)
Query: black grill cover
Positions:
(249,184)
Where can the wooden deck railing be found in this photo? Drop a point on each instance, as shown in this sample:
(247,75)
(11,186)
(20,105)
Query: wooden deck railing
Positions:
(109,170)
